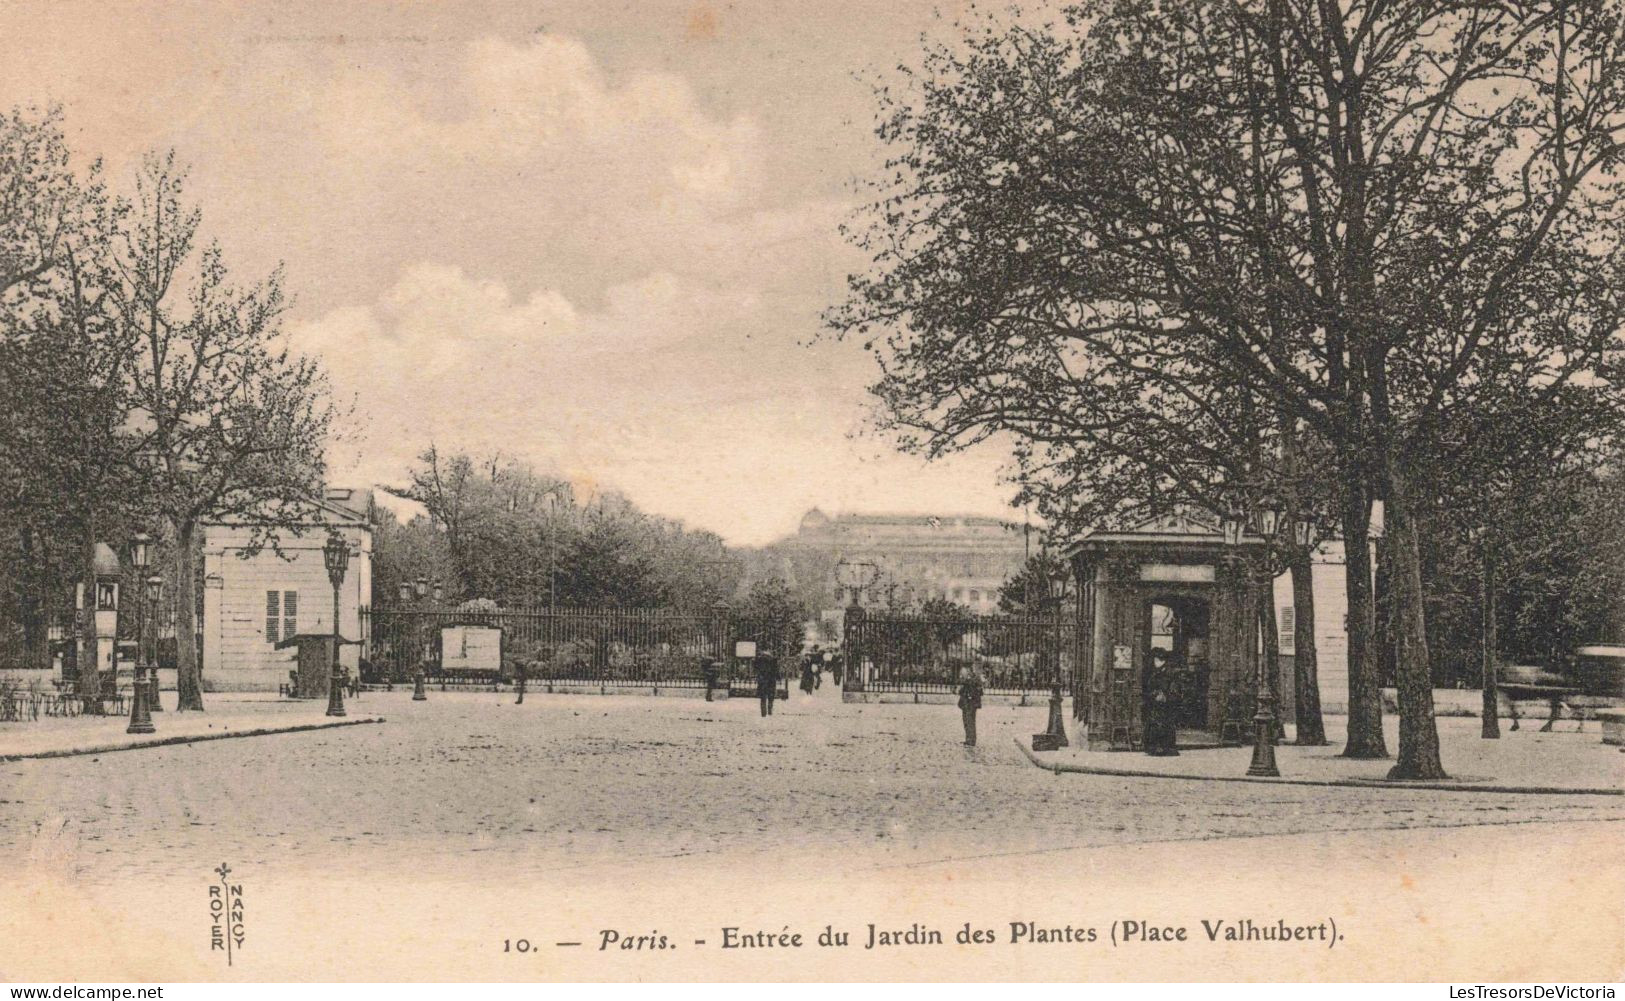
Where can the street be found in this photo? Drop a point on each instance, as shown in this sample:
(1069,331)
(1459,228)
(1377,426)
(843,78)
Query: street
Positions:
(479,785)
(471,836)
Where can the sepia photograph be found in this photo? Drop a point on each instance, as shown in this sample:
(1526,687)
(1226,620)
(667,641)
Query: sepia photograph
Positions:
(808,491)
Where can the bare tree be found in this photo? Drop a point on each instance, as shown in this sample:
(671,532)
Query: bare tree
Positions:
(233,423)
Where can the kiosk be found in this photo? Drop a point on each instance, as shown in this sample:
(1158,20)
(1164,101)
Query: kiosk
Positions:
(1169,615)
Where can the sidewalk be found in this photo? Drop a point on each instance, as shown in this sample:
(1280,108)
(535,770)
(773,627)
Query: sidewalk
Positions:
(228,715)
(1525,761)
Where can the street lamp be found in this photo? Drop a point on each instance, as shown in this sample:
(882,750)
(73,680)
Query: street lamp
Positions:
(140,715)
(556,497)
(855,575)
(141,550)
(1268,523)
(1054,736)
(336,554)
(155,587)
(412,592)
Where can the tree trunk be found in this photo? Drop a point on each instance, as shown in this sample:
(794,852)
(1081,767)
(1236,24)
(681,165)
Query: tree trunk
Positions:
(1365,738)
(189,674)
(1383,599)
(1305,665)
(35,644)
(1491,729)
(1413,677)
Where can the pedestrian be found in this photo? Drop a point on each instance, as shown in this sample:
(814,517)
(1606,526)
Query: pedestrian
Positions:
(767,680)
(519,682)
(1161,696)
(807,675)
(835,666)
(970,700)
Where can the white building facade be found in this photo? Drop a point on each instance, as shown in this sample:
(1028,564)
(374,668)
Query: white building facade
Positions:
(1330,587)
(253,599)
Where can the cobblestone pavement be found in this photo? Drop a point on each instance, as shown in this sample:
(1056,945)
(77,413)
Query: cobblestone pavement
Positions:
(468,783)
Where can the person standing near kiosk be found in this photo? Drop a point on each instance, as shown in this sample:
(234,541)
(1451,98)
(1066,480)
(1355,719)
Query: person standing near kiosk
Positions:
(1161,698)
(767,680)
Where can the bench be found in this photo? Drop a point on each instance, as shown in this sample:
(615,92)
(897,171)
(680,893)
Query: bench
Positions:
(19,706)
(463,677)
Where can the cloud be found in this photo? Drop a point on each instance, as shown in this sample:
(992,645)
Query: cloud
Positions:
(520,242)
(664,392)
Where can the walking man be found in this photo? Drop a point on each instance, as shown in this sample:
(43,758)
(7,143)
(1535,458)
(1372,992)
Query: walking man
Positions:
(970,700)
(519,683)
(767,680)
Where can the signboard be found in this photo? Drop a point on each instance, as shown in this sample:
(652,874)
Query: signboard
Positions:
(1122,658)
(744,649)
(475,648)
(1178,573)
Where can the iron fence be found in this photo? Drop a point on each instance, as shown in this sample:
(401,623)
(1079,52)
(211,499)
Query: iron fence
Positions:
(901,652)
(630,647)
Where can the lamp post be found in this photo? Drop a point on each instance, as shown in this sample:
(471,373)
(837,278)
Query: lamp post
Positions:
(155,590)
(555,497)
(336,554)
(140,715)
(1054,735)
(854,576)
(419,590)
(1489,713)
(1268,523)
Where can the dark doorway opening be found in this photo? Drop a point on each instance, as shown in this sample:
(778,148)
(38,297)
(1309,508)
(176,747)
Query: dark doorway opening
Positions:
(1177,657)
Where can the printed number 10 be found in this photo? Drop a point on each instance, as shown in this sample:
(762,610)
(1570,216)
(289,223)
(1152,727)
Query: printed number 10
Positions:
(516,945)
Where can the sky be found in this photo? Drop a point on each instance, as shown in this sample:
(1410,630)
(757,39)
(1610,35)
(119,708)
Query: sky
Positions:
(593,236)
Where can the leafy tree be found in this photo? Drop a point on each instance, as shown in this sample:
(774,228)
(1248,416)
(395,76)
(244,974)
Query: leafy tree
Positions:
(63,442)
(949,620)
(1201,226)
(1024,593)
(517,536)
(772,615)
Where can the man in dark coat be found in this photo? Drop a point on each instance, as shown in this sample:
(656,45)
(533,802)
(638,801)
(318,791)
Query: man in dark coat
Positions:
(767,680)
(1162,693)
(970,700)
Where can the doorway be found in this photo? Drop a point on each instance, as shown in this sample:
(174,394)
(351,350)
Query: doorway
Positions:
(1176,657)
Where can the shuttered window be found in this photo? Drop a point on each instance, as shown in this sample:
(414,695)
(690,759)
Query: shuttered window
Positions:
(281,615)
(1288,625)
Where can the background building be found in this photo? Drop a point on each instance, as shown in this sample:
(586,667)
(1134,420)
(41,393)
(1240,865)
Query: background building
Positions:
(961,558)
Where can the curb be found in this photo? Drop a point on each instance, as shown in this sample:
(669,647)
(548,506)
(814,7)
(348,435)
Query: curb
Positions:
(192,739)
(1058,767)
